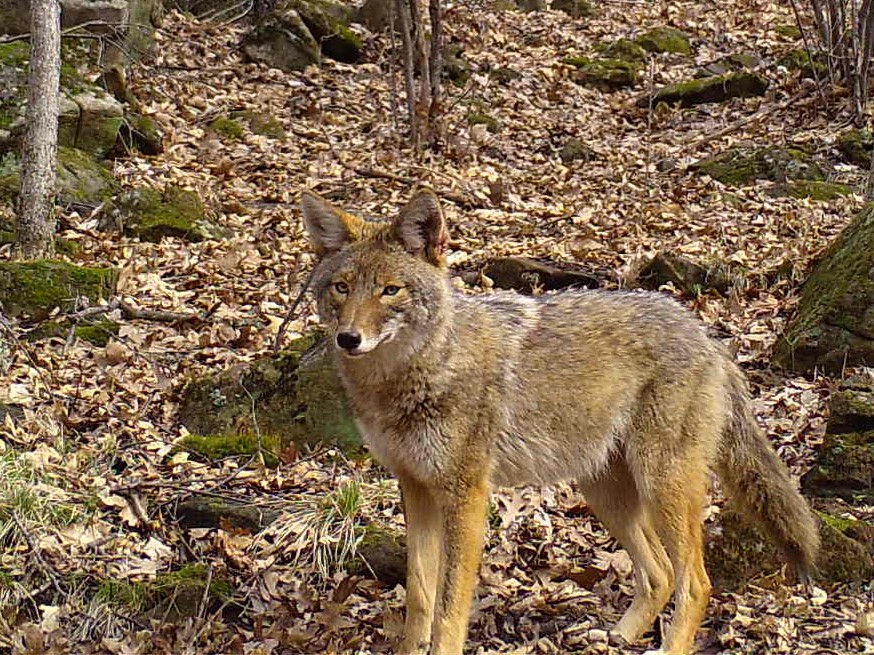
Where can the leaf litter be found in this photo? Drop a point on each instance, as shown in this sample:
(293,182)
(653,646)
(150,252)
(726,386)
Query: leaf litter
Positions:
(91,455)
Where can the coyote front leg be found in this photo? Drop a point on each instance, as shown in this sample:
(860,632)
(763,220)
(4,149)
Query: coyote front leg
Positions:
(424,526)
(464,520)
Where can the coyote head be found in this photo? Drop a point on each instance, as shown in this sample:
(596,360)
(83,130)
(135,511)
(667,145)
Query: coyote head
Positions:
(379,285)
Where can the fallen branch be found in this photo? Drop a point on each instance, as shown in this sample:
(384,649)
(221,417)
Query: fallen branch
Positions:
(457,198)
(289,315)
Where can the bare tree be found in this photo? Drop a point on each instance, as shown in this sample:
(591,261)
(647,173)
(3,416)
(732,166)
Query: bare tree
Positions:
(37,197)
(422,54)
(844,40)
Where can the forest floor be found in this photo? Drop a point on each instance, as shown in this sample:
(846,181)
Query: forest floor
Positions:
(95,446)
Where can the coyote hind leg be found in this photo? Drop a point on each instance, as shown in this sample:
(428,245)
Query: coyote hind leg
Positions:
(617,503)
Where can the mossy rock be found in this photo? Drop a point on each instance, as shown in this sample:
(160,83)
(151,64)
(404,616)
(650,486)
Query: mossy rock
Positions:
(574,8)
(296,395)
(851,408)
(292,37)
(738,553)
(456,68)
(97,333)
(624,49)
(382,555)
(246,445)
(741,166)
(62,246)
(813,189)
(171,596)
(228,127)
(801,61)
(834,324)
(788,31)
(36,288)
(481,118)
(690,277)
(211,512)
(604,73)
(844,468)
(856,146)
(81,180)
(142,134)
(261,123)
(575,149)
(729,64)
(504,75)
(709,89)
(151,216)
(665,39)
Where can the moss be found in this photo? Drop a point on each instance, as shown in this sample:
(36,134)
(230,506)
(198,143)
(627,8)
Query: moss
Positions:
(788,30)
(261,123)
(856,146)
(740,166)
(710,89)
(609,73)
(220,446)
(296,394)
(36,288)
(665,39)
(574,8)
(328,22)
(815,190)
(480,118)
(96,333)
(844,468)
(228,127)
(624,49)
(382,554)
(174,595)
(151,216)
(834,325)
(801,61)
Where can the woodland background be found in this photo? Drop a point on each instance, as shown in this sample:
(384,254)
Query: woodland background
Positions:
(177,471)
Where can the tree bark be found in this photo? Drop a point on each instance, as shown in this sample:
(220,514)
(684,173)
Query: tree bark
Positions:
(36,200)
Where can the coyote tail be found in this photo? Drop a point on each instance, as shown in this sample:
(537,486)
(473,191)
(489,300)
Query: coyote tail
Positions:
(758,481)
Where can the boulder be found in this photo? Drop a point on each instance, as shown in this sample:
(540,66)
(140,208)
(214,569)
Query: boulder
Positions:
(844,466)
(296,396)
(689,277)
(150,215)
(36,288)
(740,166)
(298,32)
(729,64)
(709,89)
(81,180)
(834,324)
(855,146)
(624,49)
(525,275)
(603,72)
(665,39)
(574,8)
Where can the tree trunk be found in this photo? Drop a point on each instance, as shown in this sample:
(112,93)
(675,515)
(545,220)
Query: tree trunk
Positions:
(36,200)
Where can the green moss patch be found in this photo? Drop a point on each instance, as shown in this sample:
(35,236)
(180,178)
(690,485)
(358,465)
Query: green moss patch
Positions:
(603,72)
(97,333)
(834,325)
(709,89)
(665,39)
(36,288)
(624,49)
(296,395)
(151,216)
(844,468)
(80,178)
(479,118)
(228,127)
(807,66)
(261,123)
(856,146)
(740,166)
(814,189)
(221,446)
(171,596)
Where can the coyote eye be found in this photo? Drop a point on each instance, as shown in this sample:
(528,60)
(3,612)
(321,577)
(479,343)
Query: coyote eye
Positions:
(391,290)
(341,287)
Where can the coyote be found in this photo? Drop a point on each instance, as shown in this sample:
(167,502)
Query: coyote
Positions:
(622,393)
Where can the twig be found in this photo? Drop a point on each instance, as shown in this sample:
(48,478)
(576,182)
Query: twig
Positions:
(289,315)
(37,556)
(131,312)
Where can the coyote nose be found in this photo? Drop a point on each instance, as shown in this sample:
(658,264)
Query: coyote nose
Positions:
(349,340)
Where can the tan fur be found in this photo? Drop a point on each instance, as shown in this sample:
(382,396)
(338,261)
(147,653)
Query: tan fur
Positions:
(622,392)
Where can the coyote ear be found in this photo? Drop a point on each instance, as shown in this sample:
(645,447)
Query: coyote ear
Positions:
(421,228)
(329,228)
